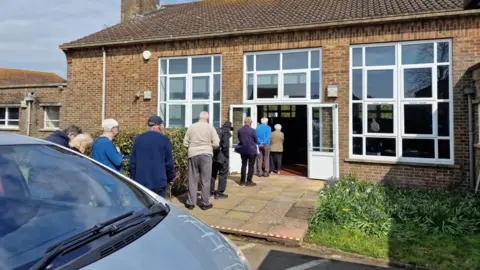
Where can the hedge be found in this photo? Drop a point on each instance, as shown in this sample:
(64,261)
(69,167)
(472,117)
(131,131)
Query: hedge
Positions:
(124,140)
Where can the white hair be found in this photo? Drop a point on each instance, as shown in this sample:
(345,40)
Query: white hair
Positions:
(109,124)
(79,139)
(278,127)
(264,120)
(204,115)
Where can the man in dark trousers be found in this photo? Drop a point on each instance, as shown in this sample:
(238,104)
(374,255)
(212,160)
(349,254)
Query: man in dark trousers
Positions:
(247,148)
(151,161)
(63,137)
(221,162)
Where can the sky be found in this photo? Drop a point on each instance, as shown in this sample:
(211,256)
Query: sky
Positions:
(32,30)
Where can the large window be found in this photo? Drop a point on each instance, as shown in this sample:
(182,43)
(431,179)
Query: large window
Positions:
(51,117)
(286,75)
(188,86)
(9,118)
(401,102)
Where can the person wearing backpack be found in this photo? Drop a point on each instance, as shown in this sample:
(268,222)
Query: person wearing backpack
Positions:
(221,162)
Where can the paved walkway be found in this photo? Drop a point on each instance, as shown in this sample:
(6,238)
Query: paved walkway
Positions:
(279,206)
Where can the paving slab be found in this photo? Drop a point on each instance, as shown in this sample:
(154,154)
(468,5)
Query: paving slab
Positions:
(277,209)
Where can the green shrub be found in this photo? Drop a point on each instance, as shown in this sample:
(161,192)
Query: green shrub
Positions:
(124,140)
(377,209)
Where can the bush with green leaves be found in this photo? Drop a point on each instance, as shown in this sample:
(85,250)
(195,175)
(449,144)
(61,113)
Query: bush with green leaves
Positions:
(377,209)
(124,140)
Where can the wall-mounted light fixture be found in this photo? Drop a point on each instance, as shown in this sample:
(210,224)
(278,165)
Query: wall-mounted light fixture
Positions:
(146,55)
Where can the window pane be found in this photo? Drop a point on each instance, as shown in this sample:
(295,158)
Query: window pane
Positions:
(52,124)
(315,84)
(178,66)
(416,148)
(444,149)
(163,67)
(298,60)
(417,83)
(357,146)
(443,52)
(13,113)
(217,64)
(163,88)
(315,59)
(216,115)
(295,85)
(322,129)
(2,113)
(13,123)
(380,118)
(268,62)
(162,111)
(418,119)
(357,118)
(176,116)
(197,109)
(443,83)
(417,53)
(443,119)
(238,117)
(380,84)
(201,87)
(53,113)
(249,62)
(178,88)
(357,57)
(217,87)
(380,56)
(381,147)
(250,87)
(357,84)
(2,122)
(201,64)
(267,86)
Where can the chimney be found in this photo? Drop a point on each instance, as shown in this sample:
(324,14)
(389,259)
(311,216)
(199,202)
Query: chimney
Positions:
(132,8)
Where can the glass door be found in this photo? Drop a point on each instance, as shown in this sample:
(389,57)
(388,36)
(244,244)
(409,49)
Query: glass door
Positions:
(238,113)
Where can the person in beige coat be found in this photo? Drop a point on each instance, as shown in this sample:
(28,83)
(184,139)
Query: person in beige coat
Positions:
(201,139)
(276,149)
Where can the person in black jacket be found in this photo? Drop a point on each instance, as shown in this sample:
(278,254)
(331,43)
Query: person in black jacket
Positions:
(221,162)
(63,137)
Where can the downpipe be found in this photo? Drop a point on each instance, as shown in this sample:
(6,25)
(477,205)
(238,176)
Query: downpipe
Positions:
(104,76)
(470,91)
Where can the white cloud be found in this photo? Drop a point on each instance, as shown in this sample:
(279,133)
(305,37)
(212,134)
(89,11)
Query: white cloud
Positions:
(32,30)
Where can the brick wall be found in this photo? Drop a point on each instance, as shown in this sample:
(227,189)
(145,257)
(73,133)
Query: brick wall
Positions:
(127,74)
(43,95)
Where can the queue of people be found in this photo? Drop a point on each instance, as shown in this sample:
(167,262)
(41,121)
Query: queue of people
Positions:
(151,160)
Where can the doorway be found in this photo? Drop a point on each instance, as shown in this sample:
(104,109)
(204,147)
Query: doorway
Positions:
(293,119)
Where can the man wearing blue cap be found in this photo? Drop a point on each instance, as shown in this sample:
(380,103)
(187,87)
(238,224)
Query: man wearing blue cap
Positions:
(151,161)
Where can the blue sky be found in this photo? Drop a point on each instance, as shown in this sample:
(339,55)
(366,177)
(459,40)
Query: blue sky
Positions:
(32,30)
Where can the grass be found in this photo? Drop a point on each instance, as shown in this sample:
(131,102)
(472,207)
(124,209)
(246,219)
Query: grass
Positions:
(438,251)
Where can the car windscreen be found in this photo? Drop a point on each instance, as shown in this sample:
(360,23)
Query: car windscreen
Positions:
(48,194)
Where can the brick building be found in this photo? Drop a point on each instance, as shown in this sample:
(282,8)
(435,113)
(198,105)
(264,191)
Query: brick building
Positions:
(30,101)
(372,88)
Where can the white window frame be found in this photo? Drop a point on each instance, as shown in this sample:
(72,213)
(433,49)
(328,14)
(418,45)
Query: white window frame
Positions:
(45,108)
(189,101)
(7,119)
(399,102)
(280,73)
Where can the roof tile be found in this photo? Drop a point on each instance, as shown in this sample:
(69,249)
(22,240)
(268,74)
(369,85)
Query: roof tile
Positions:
(27,77)
(220,16)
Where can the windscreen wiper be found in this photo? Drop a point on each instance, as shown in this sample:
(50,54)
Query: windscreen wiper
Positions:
(88,235)
(156,210)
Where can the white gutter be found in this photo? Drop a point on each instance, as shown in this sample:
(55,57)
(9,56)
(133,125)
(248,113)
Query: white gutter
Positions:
(104,75)
(29,111)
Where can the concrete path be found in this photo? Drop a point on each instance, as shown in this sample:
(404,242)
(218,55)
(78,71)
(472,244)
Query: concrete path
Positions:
(264,257)
(278,208)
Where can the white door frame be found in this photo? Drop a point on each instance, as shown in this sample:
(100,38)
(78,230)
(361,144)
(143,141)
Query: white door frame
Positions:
(235,160)
(335,153)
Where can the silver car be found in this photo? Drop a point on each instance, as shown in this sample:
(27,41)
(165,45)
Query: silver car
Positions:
(62,210)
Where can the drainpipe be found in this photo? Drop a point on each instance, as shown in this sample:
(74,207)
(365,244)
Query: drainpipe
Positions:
(470,91)
(29,100)
(104,75)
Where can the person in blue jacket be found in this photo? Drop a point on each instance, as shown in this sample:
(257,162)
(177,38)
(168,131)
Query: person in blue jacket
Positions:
(151,162)
(264,131)
(63,137)
(103,149)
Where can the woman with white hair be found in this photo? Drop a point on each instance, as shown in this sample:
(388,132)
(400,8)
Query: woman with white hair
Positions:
(81,142)
(276,148)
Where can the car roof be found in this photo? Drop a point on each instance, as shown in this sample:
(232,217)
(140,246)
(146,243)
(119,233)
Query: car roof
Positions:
(15,139)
